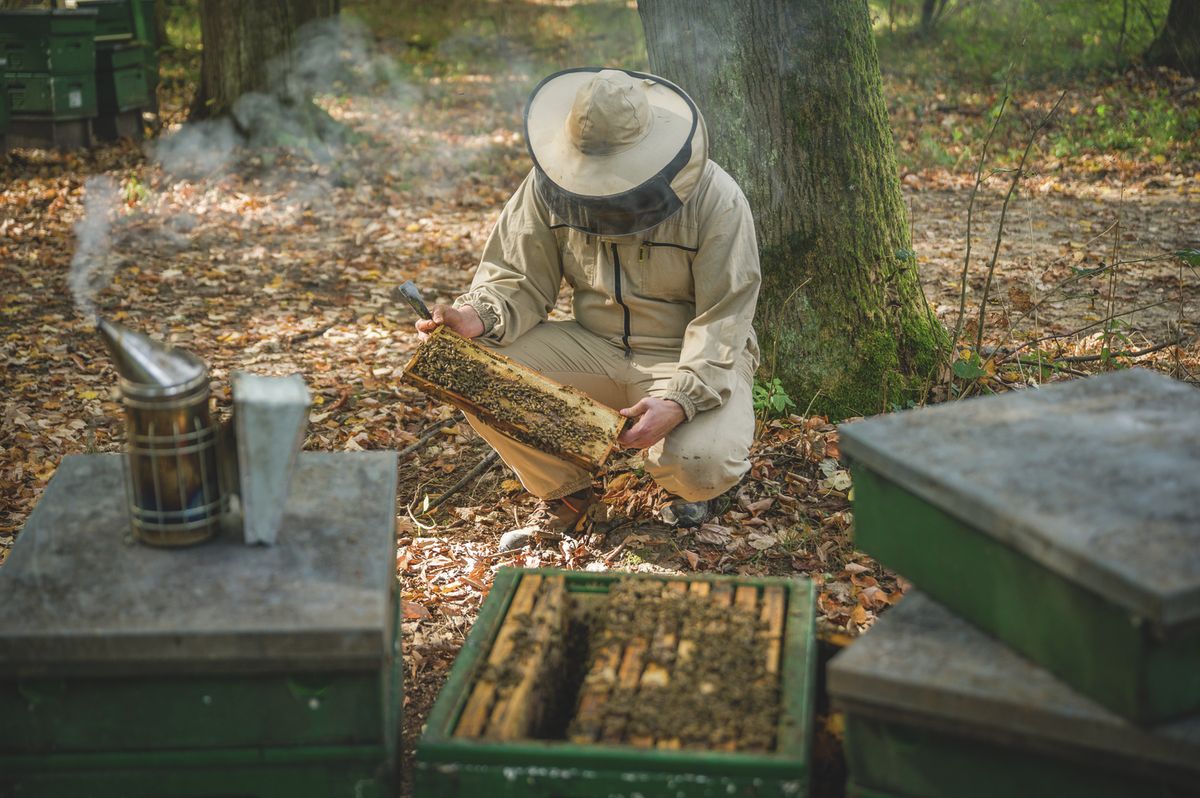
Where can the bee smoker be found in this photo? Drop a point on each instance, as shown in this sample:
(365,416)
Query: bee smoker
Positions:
(172,480)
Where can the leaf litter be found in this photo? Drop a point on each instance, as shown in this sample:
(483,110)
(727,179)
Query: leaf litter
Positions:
(282,264)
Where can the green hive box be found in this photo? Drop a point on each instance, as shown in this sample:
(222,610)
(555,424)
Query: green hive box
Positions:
(58,97)
(3,107)
(115,57)
(218,670)
(465,767)
(121,80)
(122,90)
(934,708)
(54,41)
(116,19)
(1064,521)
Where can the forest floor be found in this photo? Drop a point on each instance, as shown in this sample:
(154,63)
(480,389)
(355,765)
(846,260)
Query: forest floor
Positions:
(281,260)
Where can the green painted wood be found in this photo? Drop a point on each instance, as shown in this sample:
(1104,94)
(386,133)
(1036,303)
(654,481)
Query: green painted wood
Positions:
(297,772)
(57,97)
(1099,648)
(4,114)
(60,42)
(902,759)
(303,735)
(122,90)
(47,715)
(119,56)
(935,703)
(854,790)
(115,18)
(449,766)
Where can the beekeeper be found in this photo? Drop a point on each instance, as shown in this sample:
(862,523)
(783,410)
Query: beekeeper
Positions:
(658,247)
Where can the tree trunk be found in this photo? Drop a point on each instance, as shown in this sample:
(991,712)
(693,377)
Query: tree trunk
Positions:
(1178,45)
(931,12)
(793,99)
(927,9)
(245,44)
(161,13)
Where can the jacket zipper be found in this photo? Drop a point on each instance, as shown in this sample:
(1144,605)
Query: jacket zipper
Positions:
(620,301)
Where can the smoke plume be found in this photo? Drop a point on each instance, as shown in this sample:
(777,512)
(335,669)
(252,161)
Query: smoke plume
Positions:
(92,264)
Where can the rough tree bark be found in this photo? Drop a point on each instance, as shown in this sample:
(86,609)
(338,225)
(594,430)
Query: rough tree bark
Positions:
(793,98)
(1178,44)
(242,40)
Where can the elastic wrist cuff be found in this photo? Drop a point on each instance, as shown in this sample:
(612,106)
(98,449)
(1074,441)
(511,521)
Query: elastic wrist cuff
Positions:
(684,401)
(487,314)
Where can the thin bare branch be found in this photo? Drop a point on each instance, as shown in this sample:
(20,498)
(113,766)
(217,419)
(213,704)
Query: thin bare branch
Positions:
(1093,358)
(1059,336)
(1012,188)
(962,295)
(484,465)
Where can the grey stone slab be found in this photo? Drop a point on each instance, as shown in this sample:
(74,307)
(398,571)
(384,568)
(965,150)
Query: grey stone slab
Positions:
(78,596)
(924,664)
(1096,479)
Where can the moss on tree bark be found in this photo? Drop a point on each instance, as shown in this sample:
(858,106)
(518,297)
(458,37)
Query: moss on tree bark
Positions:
(793,98)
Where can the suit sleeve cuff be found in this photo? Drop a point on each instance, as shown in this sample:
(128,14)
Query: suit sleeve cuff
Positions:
(487,314)
(684,401)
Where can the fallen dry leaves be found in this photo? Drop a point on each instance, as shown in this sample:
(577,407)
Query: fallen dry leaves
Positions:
(284,264)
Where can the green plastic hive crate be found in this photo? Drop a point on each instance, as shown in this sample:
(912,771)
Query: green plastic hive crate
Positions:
(115,19)
(936,709)
(463,767)
(55,41)
(52,96)
(218,670)
(1063,521)
(112,56)
(3,104)
(122,90)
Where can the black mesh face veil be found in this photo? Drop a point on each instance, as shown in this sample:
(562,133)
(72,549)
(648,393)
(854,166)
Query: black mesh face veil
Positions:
(620,214)
(640,208)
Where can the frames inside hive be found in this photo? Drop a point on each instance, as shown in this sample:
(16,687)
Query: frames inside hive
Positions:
(651,664)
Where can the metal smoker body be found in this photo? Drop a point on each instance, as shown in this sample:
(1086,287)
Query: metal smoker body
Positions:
(172,478)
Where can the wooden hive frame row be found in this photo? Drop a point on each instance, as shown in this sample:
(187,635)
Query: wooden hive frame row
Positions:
(510,700)
(627,667)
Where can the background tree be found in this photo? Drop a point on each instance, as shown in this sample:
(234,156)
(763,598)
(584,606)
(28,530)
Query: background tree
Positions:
(792,94)
(931,12)
(244,45)
(1178,44)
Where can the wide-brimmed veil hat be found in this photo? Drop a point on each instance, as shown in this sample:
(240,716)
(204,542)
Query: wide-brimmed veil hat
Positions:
(616,152)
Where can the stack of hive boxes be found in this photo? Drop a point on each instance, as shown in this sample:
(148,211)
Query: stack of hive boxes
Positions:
(50,75)
(219,670)
(3,104)
(1055,647)
(125,64)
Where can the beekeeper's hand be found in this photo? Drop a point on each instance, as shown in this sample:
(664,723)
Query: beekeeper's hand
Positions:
(655,418)
(465,321)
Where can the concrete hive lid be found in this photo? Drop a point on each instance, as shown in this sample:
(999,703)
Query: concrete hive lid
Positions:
(925,666)
(76,597)
(1096,479)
